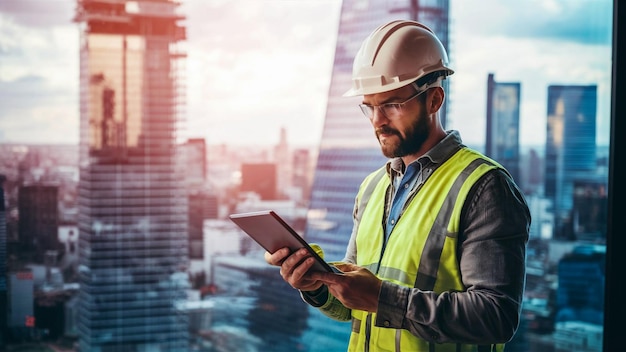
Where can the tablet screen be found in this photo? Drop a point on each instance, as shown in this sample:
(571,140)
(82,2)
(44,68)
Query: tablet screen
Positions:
(271,232)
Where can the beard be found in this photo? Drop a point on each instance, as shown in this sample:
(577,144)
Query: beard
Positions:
(410,143)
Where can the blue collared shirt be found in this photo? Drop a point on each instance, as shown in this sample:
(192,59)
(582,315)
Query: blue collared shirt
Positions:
(402,186)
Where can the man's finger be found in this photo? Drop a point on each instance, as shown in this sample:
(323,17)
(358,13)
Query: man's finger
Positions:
(327,278)
(345,267)
(277,257)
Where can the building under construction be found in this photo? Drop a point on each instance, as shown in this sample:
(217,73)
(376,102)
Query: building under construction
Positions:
(132,208)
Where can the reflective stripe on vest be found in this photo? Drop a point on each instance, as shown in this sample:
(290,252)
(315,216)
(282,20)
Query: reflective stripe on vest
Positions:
(431,264)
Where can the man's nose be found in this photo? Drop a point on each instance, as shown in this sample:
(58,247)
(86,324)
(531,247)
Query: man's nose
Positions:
(378,117)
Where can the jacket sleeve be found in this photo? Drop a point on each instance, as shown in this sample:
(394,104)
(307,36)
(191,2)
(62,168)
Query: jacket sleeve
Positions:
(495,224)
(327,304)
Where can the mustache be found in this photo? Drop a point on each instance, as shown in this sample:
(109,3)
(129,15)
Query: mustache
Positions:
(385,130)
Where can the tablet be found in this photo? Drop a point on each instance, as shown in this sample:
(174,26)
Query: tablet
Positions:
(271,232)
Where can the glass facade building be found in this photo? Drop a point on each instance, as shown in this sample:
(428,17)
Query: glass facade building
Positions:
(3,263)
(132,207)
(39,220)
(570,146)
(579,303)
(502,135)
(581,272)
(255,310)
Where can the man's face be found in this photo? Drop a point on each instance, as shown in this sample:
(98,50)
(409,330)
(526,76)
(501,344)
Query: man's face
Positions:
(404,133)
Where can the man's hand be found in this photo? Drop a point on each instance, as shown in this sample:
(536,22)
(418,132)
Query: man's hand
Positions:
(294,268)
(356,288)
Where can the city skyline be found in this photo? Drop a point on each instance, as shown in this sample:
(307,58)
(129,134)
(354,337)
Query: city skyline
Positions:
(127,205)
(225,88)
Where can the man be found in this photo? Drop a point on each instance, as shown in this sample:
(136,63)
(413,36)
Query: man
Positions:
(436,258)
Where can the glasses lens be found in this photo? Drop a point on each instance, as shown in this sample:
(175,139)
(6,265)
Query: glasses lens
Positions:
(367,110)
(391,111)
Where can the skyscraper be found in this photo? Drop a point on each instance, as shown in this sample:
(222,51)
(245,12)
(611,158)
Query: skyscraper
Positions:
(581,273)
(3,264)
(202,206)
(348,149)
(133,219)
(39,220)
(284,167)
(301,175)
(193,155)
(589,211)
(502,137)
(259,178)
(570,146)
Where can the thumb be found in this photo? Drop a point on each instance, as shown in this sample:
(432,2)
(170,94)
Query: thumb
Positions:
(345,267)
(327,278)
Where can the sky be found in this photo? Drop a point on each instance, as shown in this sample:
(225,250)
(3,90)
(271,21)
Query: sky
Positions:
(256,66)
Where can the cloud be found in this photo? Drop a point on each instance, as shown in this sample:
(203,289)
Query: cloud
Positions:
(39,13)
(536,64)
(51,53)
(259,66)
(39,74)
(256,66)
(578,21)
(34,111)
(250,63)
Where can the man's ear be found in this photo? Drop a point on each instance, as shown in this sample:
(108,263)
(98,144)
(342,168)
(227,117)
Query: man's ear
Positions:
(435,99)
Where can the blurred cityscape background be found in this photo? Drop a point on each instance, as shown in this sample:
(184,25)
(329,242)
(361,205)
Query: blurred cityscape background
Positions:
(121,242)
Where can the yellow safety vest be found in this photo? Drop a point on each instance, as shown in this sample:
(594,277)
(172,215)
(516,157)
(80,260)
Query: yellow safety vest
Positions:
(421,251)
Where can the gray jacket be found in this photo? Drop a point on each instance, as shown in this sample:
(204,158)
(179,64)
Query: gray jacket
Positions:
(494,230)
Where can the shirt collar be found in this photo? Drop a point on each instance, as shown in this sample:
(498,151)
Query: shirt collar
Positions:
(437,154)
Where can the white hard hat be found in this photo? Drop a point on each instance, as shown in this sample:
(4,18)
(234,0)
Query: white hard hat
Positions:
(397,54)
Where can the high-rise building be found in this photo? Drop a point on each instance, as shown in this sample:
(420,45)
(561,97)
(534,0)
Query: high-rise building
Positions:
(202,206)
(268,313)
(348,148)
(581,273)
(259,178)
(502,135)
(38,207)
(21,301)
(570,146)
(301,175)
(531,171)
(132,205)
(590,209)
(194,162)
(3,265)
(284,167)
